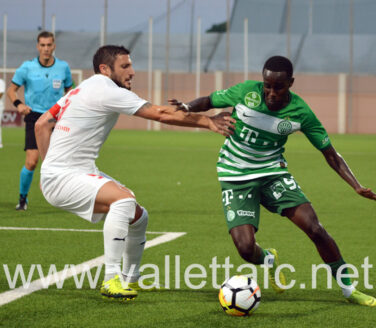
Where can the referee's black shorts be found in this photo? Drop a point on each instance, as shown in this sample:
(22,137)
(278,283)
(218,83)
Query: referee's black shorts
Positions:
(30,119)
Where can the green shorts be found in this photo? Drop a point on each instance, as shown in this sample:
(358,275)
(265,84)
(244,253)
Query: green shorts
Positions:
(241,199)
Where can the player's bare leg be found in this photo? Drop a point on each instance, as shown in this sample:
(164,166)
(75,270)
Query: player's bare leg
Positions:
(245,242)
(306,219)
(111,192)
(244,239)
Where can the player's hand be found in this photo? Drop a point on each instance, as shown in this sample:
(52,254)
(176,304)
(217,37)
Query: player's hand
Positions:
(179,105)
(366,192)
(23,109)
(222,123)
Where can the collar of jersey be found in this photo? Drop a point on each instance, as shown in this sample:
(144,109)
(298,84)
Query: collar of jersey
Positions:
(45,65)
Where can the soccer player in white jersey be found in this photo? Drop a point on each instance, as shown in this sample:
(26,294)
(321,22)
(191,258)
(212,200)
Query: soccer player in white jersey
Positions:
(252,170)
(70,179)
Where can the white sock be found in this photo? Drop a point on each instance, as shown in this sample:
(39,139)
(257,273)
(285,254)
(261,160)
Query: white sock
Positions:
(115,231)
(134,248)
(348,291)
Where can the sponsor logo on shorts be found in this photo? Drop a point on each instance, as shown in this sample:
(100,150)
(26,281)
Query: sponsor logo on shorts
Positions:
(284,127)
(246,213)
(230,216)
(252,99)
(227,195)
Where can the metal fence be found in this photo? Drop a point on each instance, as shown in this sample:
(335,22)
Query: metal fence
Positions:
(330,42)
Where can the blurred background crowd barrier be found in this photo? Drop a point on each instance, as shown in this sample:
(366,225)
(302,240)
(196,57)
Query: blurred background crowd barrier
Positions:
(330,42)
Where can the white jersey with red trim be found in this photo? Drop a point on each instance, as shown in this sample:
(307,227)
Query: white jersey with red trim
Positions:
(85,117)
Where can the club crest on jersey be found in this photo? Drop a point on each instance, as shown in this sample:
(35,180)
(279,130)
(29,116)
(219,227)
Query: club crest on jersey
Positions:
(252,99)
(284,127)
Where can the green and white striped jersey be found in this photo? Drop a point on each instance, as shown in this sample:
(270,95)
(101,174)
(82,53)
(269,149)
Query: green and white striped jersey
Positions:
(256,148)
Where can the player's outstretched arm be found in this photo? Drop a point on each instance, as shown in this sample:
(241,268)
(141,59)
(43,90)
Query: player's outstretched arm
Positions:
(338,164)
(222,123)
(197,105)
(43,131)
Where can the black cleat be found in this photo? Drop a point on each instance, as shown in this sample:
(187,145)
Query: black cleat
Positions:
(22,204)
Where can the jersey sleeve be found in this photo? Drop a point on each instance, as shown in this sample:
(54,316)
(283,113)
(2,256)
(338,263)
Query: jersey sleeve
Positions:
(19,77)
(122,101)
(68,82)
(226,98)
(315,132)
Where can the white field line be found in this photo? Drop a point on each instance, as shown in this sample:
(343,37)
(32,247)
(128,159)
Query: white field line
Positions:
(71,230)
(12,295)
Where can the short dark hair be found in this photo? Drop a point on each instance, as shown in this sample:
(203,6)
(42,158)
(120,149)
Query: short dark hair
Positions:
(107,55)
(279,64)
(45,34)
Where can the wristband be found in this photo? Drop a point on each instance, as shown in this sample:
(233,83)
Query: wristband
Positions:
(17,102)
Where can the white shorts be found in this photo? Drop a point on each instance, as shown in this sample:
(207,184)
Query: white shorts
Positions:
(75,192)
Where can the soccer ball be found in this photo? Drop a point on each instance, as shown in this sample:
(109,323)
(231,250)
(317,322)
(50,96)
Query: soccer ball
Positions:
(239,296)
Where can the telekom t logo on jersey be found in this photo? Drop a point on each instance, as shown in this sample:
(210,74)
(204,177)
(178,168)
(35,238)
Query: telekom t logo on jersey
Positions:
(68,101)
(249,135)
(227,195)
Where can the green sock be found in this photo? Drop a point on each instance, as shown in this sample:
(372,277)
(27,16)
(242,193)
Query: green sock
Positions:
(334,266)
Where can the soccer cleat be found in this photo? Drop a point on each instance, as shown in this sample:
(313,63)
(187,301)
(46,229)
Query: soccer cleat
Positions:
(271,272)
(358,297)
(149,286)
(113,289)
(22,204)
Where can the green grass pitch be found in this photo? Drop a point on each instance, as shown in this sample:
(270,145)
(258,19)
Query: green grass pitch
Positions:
(173,175)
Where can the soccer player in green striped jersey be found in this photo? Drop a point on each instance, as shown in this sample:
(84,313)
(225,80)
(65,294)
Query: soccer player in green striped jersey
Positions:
(252,169)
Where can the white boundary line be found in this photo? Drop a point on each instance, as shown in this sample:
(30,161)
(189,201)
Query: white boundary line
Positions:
(14,294)
(71,230)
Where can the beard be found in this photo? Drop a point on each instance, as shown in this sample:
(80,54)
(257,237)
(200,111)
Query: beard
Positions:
(118,83)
